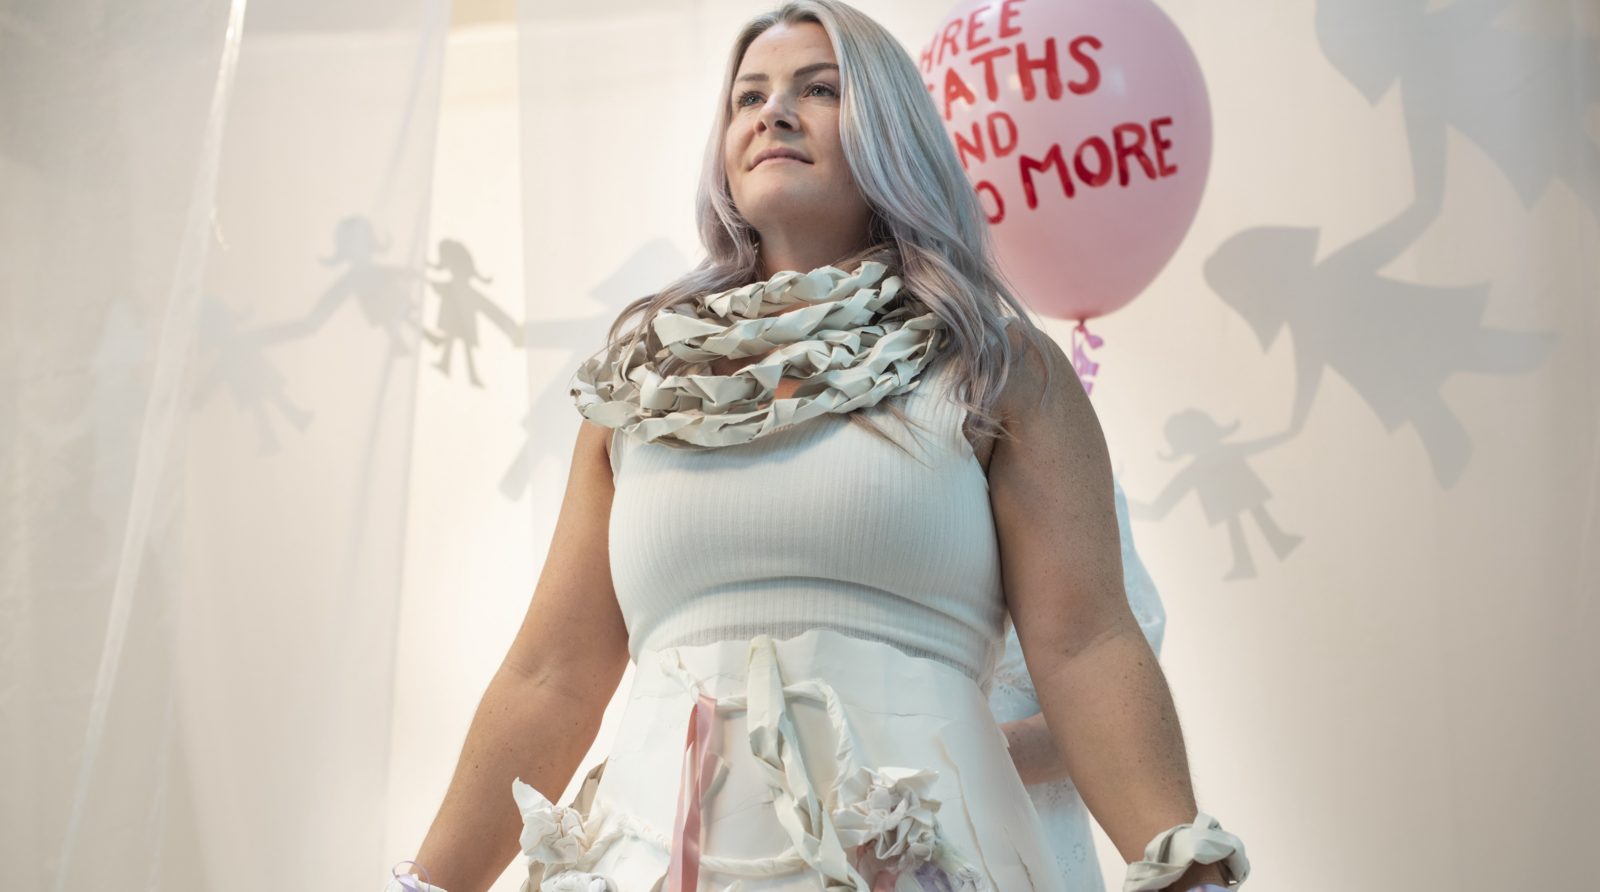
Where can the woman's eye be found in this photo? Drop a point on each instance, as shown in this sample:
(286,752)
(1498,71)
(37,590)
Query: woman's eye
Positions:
(743,96)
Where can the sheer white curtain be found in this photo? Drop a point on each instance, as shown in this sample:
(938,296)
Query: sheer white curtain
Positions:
(212,224)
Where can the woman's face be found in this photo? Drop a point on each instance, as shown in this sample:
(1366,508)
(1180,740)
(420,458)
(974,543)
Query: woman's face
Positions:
(786,95)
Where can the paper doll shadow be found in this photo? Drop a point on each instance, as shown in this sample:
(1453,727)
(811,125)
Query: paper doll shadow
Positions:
(233,358)
(576,329)
(76,472)
(1514,93)
(1394,342)
(1218,472)
(385,293)
(460,305)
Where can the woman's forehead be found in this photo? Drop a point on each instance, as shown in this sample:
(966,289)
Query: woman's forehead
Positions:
(782,44)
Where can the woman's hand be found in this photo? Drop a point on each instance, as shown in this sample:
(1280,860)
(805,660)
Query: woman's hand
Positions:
(1033,750)
(1197,874)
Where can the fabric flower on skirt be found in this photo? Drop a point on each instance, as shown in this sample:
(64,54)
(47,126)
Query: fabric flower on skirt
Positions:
(551,834)
(890,810)
(577,881)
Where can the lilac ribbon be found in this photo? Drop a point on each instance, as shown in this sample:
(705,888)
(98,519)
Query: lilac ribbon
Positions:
(932,878)
(408,881)
(1081,363)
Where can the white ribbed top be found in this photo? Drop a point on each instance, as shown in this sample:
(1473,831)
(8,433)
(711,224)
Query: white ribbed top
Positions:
(817,525)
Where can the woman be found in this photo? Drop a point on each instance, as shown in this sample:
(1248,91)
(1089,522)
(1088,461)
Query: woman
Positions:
(811,594)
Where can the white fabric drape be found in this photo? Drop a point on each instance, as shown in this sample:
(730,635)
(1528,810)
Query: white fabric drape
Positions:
(212,225)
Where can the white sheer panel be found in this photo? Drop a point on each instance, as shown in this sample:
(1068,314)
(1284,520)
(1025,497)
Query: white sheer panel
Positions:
(109,174)
(213,224)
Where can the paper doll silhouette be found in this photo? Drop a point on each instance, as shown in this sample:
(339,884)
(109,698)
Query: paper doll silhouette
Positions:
(1395,342)
(1219,473)
(1516,95)
(383,291)
(75,448)
(235,358)
(577,337)
(460,305)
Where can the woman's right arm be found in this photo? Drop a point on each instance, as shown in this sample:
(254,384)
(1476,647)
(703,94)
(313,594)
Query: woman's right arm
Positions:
(542,709)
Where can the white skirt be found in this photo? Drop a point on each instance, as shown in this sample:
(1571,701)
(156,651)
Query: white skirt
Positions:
(820,761)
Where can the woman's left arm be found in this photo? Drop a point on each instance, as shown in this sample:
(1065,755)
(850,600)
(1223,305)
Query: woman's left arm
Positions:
(1061,561)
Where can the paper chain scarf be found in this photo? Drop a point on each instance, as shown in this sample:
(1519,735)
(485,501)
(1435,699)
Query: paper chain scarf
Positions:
(833,335)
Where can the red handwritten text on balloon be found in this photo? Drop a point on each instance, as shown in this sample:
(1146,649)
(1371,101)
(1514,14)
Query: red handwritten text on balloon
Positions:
(1042,72)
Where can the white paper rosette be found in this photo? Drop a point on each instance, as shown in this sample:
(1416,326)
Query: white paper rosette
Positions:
(890,810)
(551,834)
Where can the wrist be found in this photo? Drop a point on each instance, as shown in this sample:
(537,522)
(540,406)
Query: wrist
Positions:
(1172,862)
(1198,877)
(414,879)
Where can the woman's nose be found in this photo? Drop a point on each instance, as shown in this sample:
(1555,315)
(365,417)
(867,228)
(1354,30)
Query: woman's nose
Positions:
(775,113)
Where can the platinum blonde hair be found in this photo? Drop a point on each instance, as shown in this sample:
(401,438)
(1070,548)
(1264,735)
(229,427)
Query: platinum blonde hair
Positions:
(926,226)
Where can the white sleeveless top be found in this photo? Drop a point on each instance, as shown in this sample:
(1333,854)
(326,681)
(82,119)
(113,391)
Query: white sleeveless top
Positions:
(819,525)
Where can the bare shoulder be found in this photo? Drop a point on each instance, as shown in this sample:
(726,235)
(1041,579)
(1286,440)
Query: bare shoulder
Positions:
(589,477)
(1055,432)
(593,432)
(1037,376)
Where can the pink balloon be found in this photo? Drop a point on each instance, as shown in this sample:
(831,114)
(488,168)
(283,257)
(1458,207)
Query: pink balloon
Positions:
(1085,129)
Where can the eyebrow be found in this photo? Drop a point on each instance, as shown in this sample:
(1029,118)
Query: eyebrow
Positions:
(798,72)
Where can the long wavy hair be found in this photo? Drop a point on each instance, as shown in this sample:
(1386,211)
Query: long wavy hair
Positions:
(926,224)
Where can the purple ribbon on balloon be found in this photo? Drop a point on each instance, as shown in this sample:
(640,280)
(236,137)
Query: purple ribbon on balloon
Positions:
(1081,363)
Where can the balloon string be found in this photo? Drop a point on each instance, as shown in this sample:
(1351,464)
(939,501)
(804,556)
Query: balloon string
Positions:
(1081,363)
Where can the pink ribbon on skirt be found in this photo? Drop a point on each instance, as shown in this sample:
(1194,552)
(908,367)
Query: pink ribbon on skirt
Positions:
(683,871)
(683,867)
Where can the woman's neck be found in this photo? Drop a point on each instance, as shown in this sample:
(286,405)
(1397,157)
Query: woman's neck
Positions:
(779,252)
